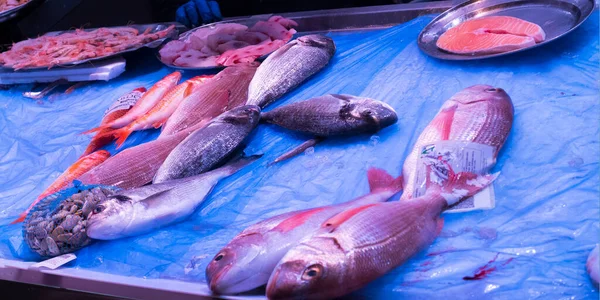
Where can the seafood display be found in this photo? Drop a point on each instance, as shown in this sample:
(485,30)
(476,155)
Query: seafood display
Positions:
(288,67)
(10,4)
(118,109)
(82,165)
(52,232)
(248,260)
(227,44)
(331,115)
(492,34)
(228,89)
(209,146)
(49,51)
(359,245)
(479,114)
(136,212)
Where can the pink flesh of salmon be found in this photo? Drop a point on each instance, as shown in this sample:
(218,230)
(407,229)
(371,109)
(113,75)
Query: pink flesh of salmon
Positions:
(494,34)
(227,90)
(480,114)
(135,166)
(364,243)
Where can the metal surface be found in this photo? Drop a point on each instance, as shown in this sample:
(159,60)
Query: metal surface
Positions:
(556,17)
(19,10)
(141,28)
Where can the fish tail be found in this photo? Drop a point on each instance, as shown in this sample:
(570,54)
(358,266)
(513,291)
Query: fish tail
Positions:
(121,135)
(381,180)
(461,185)
(95,129)
(20,219)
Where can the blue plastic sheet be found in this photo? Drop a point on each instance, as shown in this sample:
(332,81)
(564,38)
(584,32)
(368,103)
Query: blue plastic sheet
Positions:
(534,244)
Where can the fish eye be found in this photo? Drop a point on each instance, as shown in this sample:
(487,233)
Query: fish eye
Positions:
(219,257)
(312,272)
(368,112)
(491,90)
(99,209)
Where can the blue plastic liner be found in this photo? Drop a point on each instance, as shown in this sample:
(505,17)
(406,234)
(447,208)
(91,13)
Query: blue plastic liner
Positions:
(533,245)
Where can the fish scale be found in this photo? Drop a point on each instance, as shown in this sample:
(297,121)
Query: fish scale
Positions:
(483,115)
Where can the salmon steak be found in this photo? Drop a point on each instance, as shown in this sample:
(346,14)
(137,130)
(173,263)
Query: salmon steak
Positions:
(489,35)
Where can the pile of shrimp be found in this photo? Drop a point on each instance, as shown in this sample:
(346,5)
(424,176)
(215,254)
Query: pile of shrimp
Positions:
(49,51)
(10,4)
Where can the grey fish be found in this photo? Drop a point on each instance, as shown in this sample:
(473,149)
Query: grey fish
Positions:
(209,146)
(121,216)
(331,115)
(289,66)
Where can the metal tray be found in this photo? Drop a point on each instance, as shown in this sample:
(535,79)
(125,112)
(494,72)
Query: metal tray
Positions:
(184,36)
(141,28)
(15,12)
(556,17)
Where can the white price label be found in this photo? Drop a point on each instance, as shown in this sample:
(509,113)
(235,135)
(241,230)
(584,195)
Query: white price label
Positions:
(124,102)
(462,157)
(55,262)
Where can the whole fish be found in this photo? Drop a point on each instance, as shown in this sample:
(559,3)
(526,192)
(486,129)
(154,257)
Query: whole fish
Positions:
(209,146)
(288,67)
(480,114)
(82,165)
(331,115)
(135,166)
(115,111)
(226,90)
(361,244)
(249,259)
(593,265)
(144,104)
(159,114)
(126,215)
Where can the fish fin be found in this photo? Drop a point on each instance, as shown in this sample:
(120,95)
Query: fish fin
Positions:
(299,149)
(158,124)
(332,223)
(440,226)
(381,180)
(343,97)
(443,122)
(297,219)
(282,49)
(121,135)
(189,89)
(96,129)
(460,186)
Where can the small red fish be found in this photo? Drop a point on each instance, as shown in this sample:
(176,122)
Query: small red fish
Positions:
(81,166)
(144,104)
(117,110)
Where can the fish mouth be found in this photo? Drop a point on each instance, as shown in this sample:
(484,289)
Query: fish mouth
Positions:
(213,281)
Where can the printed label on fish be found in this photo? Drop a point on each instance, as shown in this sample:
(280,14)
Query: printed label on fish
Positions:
(55,262)
(124,102)
(461,157)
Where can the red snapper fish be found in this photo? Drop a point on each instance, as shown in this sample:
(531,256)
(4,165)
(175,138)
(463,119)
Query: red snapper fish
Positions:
(361,244)
(248,260)
(478,114)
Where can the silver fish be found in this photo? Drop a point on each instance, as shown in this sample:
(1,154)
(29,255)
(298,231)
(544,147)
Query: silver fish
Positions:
(249,259)
(359,245)
(331,115)
(207,147)
(288,67)
(120,216)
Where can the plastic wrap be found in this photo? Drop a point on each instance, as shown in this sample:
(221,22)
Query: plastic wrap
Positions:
(533,244)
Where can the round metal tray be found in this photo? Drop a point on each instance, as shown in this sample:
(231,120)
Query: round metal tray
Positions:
(19,10)
(556,17)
